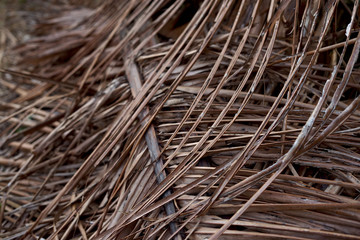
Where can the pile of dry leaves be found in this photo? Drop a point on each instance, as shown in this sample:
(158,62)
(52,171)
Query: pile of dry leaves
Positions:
(213,119)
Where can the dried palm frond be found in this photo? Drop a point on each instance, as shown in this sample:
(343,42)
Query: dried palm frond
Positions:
(187,120)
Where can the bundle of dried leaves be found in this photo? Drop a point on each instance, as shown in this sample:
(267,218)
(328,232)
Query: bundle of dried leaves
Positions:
(213,119)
